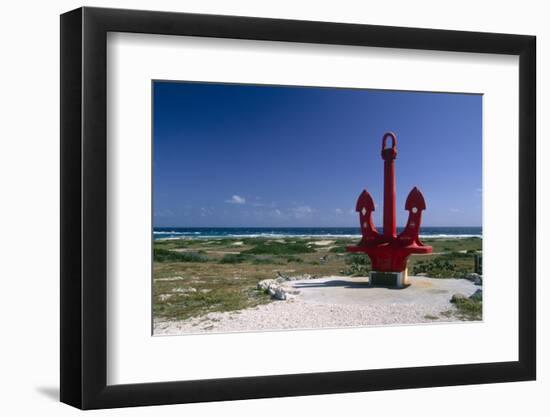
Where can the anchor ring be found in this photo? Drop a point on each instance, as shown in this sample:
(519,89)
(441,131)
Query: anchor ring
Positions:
(393,140)
(389,154)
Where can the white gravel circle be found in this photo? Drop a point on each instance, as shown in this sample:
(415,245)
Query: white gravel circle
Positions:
(335,302)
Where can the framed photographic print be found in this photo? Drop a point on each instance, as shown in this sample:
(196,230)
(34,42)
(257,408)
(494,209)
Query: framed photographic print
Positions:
(258,207)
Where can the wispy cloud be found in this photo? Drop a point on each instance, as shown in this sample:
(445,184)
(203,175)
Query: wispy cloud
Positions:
(205,211)
(338,211)
(163,213)
(236,199)
(454,210)
(301,211)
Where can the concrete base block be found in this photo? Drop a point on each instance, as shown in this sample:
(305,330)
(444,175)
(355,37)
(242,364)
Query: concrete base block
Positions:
(389,279)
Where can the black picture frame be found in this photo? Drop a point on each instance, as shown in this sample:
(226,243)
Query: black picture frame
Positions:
(84,207)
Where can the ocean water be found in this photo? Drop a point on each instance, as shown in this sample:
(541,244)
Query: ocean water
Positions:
(332,232)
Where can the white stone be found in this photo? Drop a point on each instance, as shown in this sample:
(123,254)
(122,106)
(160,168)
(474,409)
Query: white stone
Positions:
(265,284)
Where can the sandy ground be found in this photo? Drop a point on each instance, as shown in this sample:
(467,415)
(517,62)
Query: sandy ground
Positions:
(335,302)
(322,242)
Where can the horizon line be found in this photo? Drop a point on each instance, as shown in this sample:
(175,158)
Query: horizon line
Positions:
(295,227)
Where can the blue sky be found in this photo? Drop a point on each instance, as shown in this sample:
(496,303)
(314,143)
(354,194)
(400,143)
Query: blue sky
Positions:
(233,155)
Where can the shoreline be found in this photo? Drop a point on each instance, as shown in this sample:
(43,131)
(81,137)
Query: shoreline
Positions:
(289,236)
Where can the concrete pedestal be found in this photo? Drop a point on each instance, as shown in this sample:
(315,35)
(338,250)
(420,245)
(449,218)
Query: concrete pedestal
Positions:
(389,279)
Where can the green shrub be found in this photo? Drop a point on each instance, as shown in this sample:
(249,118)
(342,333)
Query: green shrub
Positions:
(359,265)
(357,258)
(456,255)
(290,259)
(234,258)
(338,249)
(438,268)
(469,309)
(164,255)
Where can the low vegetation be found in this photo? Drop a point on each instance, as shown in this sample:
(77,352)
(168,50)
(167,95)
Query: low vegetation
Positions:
(290,259)
(454,245)
(468,309)
(233,258)
(337,249)
(279,248)
(195,276)
(358,265)
(164,255)
(449,265)
(437,268)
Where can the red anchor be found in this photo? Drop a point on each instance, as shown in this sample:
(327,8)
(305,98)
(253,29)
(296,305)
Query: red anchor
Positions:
(388,251)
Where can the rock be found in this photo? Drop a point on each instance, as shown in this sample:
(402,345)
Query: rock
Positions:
(277,289)
(265,284)
(280,294)
(282,277)
(184,290)
(177,278)
(477,296)
(279,275)
(277,292)
(164,297)
(299,277)
(271,290)
(458,297)
(475,278)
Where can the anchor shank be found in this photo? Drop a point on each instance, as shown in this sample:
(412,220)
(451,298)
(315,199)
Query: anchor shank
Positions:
(389,199)
(389,155)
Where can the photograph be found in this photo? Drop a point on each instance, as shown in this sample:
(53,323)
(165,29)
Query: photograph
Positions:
(279,207)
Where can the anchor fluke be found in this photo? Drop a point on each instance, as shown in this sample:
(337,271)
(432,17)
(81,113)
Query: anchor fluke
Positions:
(365,207)
(415,204)
(415,199)
(364,201)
